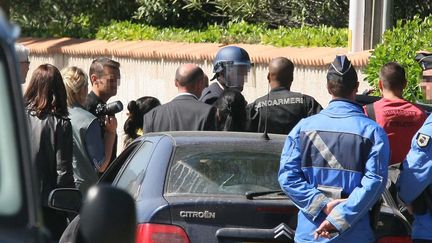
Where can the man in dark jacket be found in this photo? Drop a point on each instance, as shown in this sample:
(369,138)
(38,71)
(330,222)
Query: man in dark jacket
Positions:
(104,76)
(231,67)
(282,108)
(184,112)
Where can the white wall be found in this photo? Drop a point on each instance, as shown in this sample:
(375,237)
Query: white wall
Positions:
(153,77)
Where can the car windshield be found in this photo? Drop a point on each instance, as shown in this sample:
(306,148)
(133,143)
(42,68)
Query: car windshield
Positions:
(222,169)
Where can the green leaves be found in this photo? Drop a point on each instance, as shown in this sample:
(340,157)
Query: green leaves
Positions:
(76,18)
(306,36)
(241,32)
(400,44)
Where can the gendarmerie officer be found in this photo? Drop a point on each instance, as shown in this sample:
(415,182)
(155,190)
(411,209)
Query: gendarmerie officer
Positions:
(285,108)
(415,179)
(231,67)
(334,165)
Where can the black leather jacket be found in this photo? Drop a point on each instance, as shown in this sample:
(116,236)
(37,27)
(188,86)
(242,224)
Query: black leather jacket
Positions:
(51,151)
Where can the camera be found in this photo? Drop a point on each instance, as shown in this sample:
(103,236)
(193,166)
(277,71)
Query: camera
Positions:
(109,109)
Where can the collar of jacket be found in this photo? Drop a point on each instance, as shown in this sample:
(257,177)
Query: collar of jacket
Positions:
(279,89)
(94,98)
(343,108)
(185,94)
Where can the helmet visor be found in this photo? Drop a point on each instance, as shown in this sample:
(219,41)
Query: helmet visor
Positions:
(236,74)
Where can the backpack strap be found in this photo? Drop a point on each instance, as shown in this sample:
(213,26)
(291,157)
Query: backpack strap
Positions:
(370,111)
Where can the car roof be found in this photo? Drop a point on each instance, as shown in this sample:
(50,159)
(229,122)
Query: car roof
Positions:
(193,137)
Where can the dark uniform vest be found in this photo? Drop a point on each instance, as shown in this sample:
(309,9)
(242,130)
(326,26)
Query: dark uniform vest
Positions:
(285,110)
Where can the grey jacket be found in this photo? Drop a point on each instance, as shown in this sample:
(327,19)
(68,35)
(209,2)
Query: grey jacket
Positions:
(85,174)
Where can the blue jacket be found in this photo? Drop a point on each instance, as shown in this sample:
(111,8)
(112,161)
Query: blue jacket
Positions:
(416,175)
(344,154)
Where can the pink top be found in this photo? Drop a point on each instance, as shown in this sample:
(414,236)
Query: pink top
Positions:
(401,120)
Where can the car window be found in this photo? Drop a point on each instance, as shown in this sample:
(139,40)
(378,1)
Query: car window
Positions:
(10,186)
(222,170)
(114,168)
(132,176)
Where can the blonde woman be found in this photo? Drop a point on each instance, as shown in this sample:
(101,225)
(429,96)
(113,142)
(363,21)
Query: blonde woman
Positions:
(92,146)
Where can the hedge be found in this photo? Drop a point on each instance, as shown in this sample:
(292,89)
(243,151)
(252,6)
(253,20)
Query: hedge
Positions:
(241,32)
(401,44)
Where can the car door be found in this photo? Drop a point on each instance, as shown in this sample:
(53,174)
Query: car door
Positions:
(20,220)
(210,190)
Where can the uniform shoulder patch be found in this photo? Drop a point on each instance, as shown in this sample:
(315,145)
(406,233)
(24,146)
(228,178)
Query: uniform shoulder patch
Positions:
(423,140)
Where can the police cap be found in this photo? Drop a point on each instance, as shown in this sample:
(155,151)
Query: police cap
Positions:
(425,60)
(341,70)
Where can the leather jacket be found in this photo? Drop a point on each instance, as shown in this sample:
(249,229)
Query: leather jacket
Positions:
(51,151)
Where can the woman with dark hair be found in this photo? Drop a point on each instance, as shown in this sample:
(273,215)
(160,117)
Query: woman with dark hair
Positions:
(134,123)
(231,111)
(50,139)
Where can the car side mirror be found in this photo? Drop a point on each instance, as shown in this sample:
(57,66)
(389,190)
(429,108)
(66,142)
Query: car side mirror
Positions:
(108,216)
(65,199)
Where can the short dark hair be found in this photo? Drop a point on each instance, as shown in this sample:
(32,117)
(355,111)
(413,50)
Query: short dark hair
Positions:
(46,92)
(190,77)
(342,78)
(341,89)
(283,70)
(97,66)
(392,75)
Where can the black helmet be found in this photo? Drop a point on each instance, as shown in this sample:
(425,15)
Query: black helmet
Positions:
(231,58)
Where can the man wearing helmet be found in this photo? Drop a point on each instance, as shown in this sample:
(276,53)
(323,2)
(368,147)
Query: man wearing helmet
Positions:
(231,67)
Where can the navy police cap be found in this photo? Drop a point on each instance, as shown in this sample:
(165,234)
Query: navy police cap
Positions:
(341,70)
(425,60)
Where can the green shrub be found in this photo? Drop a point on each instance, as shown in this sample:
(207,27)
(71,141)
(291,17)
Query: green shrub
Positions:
(407,9)
(400,44)
(200,13)
(306,36)
(54,18)
(175,13)
(75,18)
(232,33)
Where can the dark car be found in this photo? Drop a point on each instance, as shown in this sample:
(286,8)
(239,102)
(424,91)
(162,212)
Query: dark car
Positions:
(216,187)
(20,220)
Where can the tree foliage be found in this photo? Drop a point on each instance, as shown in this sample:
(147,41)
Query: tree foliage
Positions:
(80,18)
(273,13)
(406,9)
(401,44)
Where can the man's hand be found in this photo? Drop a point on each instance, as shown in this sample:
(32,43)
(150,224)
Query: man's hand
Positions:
(332,204)
(409,209)
(326,230)
(110,124)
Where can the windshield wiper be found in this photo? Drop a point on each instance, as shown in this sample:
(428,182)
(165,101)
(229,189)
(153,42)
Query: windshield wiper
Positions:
(251,194)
